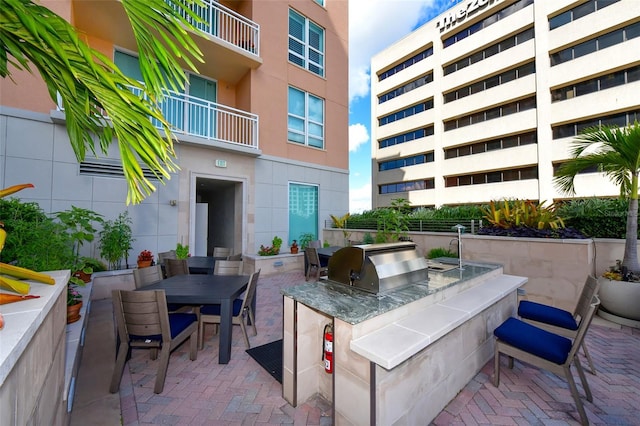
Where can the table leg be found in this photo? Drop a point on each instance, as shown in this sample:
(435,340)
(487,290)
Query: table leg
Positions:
(226,325)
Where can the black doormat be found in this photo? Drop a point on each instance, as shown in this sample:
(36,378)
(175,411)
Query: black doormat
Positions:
(269,357)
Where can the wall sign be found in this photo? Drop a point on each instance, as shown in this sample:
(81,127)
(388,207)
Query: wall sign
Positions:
(454,16)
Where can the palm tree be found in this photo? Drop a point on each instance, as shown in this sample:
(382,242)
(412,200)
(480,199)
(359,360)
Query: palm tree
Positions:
(616,153)
(92,87)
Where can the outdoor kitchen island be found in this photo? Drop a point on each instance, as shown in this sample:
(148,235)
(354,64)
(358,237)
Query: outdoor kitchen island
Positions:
(399,355)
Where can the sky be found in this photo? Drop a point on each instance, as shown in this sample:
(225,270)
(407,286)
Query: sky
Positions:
(373,26)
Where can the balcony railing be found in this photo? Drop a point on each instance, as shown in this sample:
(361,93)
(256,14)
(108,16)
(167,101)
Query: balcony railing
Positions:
(189,115)
(228,25)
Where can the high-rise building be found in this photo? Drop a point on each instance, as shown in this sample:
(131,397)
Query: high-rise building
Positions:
(483,102)
(262,128)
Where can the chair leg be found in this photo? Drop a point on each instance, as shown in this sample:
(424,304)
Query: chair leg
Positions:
(253,322)
(153,353)
(201,335)
(163,366)
(587,355)
(583,379)
(244,333)
(193,343)
(121,360)
(576,396)
(496,367)
(510,363)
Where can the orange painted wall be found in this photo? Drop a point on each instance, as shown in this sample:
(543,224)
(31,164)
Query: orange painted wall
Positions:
(269,83)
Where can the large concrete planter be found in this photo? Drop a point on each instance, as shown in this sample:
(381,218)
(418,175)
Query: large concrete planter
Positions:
(620,298)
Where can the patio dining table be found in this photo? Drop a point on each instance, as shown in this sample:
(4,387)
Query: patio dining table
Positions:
(201,289)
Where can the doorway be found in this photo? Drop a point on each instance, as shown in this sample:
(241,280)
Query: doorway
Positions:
(218,215)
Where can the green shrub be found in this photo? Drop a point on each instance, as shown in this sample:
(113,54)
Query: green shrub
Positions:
(440,252)
(596,217)
(34,240)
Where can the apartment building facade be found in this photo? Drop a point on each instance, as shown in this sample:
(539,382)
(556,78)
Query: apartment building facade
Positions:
(483,102)
(261,129)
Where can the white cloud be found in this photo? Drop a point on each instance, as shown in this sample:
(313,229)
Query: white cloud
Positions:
(373,26)
(360,199)
(358,135)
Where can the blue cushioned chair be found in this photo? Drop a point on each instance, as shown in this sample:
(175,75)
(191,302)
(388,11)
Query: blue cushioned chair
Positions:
(210,314)
(543,349)
(559,321)
(144,322)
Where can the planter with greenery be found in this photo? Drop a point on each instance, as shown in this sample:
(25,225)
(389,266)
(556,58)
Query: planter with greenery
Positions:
(276,243)
(615,152)
(116,241)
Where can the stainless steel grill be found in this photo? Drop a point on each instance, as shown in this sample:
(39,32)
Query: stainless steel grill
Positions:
(378,268)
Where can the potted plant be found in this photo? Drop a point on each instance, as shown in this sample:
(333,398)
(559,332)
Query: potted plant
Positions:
(145,259)
(115,240)
(74,300)
(276,243)
(305,239)
(182,251)
(79,225)
(615,152)
(294,247)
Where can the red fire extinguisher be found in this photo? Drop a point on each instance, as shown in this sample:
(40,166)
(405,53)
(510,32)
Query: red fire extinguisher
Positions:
(327,353)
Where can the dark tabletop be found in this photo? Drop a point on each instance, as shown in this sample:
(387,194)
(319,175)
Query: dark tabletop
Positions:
(201,289)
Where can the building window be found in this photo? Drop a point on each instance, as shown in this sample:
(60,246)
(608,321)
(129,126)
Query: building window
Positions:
(491,145)
(578,12)
(305,118)
(406,64)
(494,49)
(607,81)
(407,112)
(406,137)
(303,210)
(320,2)
(306,43)
(408,186)
(525,173)
(493,81)
(412,85)
(406,161)
(598,43)
(574,129)
(491,113)
(501,14)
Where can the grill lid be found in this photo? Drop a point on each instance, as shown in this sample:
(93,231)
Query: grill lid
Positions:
(378,268)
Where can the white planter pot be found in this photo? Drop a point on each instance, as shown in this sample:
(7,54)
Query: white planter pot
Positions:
(620,298)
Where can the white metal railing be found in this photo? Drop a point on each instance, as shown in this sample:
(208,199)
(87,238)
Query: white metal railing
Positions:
(189,115)
(226,24)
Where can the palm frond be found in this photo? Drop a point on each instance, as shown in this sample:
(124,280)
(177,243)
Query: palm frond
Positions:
(91,86)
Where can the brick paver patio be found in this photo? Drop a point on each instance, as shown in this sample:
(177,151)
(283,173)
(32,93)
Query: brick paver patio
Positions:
(203,392)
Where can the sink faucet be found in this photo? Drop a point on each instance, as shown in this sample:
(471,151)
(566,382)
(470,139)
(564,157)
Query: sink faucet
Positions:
(460,229)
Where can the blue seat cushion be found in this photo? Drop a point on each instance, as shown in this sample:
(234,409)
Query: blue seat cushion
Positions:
(547,314)
(215,309)
(534,340)
(178,322)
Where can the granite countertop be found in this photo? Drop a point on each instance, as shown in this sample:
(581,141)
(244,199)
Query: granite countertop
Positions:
(353,306)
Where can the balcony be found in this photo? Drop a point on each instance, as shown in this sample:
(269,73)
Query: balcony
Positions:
(226,37)
(206,123)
